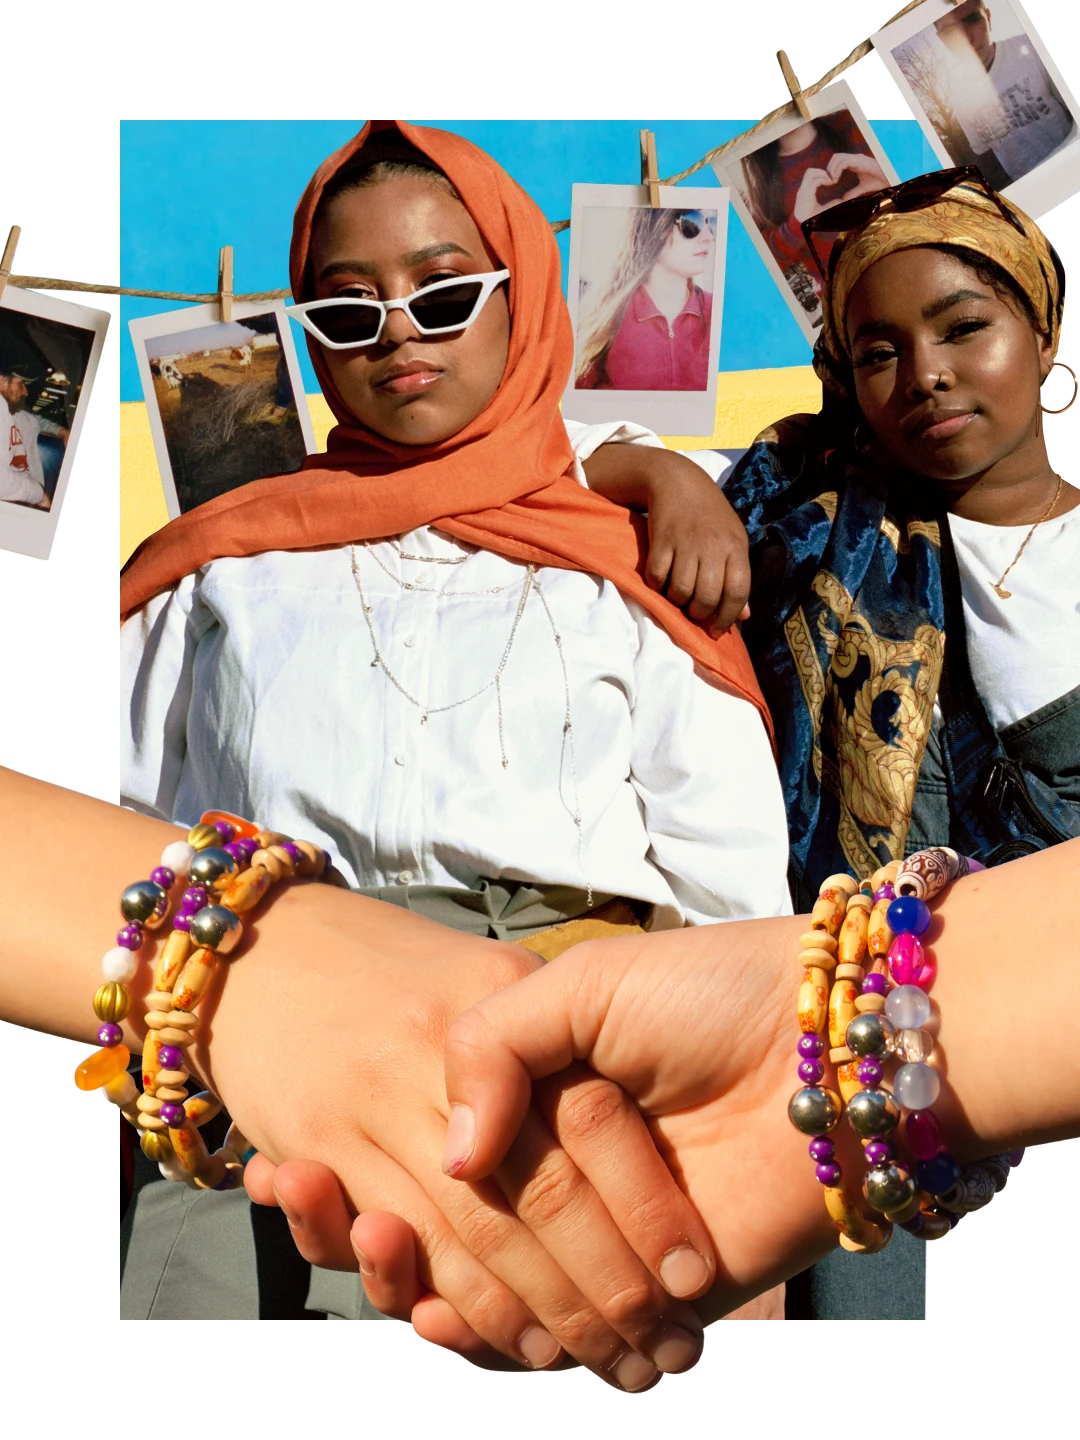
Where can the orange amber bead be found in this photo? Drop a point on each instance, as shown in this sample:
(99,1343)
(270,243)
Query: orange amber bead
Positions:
(245,829)
(102,1066)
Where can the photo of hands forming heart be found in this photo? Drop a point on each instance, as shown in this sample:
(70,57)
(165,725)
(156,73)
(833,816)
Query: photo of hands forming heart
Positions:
(796,169)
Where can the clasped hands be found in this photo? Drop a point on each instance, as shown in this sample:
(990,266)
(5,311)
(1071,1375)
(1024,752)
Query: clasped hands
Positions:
(615,1124)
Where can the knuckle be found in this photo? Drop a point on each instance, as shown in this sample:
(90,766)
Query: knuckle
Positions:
(588,1109)
(631,1306)
(489,1313)
(554,1186)
(484,1232)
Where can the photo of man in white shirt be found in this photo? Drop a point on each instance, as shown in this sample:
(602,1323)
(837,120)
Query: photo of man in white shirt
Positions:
(1003,97)
(18,484)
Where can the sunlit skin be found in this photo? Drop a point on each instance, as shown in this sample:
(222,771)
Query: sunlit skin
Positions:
(383,242)
(947,376)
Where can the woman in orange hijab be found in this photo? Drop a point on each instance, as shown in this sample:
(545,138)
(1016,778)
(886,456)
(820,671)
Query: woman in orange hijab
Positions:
(433,651)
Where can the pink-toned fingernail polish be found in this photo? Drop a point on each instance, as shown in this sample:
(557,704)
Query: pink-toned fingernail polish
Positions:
(460,1139)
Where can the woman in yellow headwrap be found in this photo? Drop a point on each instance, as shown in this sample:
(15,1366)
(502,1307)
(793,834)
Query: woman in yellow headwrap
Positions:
(919,506)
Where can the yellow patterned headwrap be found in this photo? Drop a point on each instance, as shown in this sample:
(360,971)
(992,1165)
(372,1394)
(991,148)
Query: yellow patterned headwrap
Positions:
(966,216)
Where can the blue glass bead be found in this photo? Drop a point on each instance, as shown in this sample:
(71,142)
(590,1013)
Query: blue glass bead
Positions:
(247,1155)
(938,1174)
(908,915)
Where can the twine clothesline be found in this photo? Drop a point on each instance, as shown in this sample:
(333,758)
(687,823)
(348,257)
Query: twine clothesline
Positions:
(38,282)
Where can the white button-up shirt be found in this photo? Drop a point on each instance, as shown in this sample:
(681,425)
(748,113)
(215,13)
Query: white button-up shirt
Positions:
(251,688)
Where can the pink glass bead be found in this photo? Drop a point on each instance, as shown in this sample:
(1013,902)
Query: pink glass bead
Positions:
(924,1134)
(927,974)
(906,958)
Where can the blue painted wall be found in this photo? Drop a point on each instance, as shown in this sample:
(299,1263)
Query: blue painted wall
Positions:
(189,187)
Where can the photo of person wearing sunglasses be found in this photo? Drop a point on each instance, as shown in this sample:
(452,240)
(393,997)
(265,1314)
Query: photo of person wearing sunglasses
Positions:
(649,326)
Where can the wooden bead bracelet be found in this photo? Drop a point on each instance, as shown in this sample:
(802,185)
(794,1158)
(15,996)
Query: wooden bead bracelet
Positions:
(867,938)
(231,864)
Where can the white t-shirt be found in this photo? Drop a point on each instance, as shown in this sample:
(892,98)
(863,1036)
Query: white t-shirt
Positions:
(1024,651)
(1021,116)
(16,480)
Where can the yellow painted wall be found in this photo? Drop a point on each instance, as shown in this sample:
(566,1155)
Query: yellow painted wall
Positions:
(746,402)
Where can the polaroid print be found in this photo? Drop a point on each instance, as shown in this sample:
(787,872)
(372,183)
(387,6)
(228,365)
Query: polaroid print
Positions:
(49,351)
(987,93)
(226,401)
(794,169)
(646,294)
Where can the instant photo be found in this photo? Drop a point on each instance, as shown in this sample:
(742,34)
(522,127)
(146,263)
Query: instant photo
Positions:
(49,351)
(986,92)
(646,296)
(794,169)
(225,400)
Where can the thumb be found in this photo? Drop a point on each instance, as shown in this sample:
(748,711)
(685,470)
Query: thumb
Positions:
(494,1052)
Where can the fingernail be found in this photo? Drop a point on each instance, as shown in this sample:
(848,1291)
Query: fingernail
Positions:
(538,1347)
(683,1271)
(292,1216)
(677,1350)
(366,1266)
(633,1371)
(460,1139)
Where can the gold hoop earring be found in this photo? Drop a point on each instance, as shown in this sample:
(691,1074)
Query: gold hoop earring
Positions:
(1057,389)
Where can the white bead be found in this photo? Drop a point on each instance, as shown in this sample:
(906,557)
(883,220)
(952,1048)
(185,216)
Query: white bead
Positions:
(916,1087)
(171,1169)
(178,856)
(120,1091)
(913,1045)
(119,964)
(908,1007)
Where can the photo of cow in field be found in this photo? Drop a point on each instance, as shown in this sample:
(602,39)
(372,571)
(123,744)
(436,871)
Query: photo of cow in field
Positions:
(225,402)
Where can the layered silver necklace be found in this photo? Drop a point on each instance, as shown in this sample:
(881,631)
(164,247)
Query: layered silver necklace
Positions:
(530,583)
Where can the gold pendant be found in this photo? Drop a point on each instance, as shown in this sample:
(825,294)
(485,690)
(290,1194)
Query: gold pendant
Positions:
(1005,594)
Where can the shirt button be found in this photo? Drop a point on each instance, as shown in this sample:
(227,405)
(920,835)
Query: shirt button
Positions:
(399,759)
(405,877)
(410,641)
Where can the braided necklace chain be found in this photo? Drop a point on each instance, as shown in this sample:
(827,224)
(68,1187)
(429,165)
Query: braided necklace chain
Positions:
(530,583)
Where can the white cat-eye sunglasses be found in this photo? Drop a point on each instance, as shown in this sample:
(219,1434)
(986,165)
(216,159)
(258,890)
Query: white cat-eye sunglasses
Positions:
(448,305)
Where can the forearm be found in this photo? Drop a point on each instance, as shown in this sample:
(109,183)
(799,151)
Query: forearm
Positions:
(621,473)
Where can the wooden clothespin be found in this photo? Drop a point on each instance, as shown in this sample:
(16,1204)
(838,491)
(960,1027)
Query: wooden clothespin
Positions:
(649,174)
(9,255)
(225,283)
(792,83)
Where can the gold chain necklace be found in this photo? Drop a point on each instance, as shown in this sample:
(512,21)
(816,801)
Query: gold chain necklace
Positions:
(1000,584)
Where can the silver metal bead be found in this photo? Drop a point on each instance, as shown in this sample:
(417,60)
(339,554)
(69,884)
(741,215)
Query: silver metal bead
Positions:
(814,1110)
(213,869)
(869,1034)
(216,928)
(873,1112)
(145,902)
(889,1187)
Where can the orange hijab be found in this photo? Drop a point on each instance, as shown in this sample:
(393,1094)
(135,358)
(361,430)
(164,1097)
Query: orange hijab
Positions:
(502,484)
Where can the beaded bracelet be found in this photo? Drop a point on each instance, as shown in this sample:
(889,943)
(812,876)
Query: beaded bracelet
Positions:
(230,864)
(881,921)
